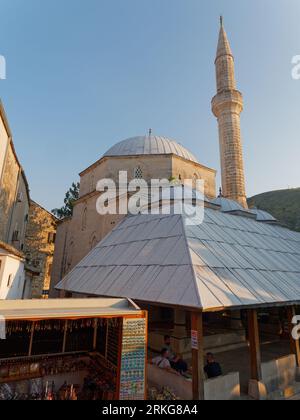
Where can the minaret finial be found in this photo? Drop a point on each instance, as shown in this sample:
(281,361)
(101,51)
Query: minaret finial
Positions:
(221,21)
(150,132)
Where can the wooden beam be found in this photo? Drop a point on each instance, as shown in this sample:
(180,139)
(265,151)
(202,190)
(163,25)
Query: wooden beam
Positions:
(31,339)
(95,334)
(65,336)
(197,356)
(254,342)
(294,344)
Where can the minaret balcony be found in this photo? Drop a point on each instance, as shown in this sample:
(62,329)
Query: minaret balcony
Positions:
(227,101)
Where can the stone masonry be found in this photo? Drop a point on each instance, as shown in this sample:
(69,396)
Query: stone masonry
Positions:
(39,249)
(227,106)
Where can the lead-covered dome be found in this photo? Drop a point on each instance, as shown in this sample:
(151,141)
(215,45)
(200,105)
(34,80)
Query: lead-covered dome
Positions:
(150,145)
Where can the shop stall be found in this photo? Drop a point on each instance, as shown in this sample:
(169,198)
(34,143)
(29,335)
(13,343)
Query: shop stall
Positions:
(73,349)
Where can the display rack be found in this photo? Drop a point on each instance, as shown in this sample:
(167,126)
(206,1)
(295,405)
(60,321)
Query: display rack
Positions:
(133,367)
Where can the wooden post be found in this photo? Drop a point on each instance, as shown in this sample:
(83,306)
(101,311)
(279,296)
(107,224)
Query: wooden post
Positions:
(294,344)
(95,334)
(255,354)
(197,356)
(65,336)
(31,339)
(106,340)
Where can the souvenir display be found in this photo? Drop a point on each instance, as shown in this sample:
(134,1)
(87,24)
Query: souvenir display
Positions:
(103,360)
(132,385)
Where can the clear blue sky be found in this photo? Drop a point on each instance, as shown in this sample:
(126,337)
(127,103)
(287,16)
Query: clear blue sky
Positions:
(83,75)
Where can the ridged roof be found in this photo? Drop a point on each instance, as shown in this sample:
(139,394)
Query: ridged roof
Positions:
(225,262)
(150,145)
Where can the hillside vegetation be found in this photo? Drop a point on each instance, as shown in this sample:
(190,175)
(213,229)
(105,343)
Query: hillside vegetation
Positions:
(283,204)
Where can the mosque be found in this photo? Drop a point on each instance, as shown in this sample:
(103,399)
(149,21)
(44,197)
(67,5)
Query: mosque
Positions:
(227,281)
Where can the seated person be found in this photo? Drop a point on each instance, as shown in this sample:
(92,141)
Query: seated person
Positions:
(176,361)
(212,368)
(162,361)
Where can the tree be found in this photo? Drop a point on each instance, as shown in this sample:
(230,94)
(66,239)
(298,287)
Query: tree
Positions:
(71,196)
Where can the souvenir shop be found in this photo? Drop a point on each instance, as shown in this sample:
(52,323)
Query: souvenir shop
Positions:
(73,349)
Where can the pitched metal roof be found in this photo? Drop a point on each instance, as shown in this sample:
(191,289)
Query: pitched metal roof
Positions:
(227,261)
(263,216)
(150,145)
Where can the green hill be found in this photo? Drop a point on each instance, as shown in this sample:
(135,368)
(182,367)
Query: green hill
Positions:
(283,204)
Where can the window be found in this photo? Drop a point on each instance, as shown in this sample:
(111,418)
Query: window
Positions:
(20,197)
(51,237)
(35,263)
(84,219)
(10,280)
(92,182)
(94,242)
(138,173)
(15,236)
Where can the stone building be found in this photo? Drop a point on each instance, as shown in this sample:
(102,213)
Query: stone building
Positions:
(153,157)
(39,250)
(226,284)
(147,157)
(14,208)
(14,193)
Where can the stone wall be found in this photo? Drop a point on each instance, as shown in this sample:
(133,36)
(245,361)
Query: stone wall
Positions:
(182,169)
(8,192)
(59,261)
(39,249)
(19,219)
(78,235)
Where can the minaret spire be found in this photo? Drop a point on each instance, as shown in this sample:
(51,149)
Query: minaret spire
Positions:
(227,106)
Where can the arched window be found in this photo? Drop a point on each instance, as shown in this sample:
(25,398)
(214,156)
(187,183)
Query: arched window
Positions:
(92,182)
(68,263)
(138,173)
(94,241)
(84,219)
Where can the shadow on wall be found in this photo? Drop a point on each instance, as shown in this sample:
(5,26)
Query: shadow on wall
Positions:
(5,210)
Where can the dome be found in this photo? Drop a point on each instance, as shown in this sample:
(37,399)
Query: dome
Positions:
(150,145)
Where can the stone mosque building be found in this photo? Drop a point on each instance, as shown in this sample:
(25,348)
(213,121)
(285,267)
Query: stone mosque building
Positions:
(153,157)
(222,281)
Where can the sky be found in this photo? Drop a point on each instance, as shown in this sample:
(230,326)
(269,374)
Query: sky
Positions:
(84,75)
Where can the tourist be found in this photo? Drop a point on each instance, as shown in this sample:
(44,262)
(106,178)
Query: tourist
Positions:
(176,361)
(163,362)
(212,368)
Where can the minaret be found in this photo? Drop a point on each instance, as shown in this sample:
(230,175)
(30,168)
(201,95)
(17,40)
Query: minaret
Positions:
(227,106)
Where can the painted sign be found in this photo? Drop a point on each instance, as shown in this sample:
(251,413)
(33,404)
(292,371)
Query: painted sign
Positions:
(195,344)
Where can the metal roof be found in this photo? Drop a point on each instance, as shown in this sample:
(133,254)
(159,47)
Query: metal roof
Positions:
(66,308)
(230,206)
(263,216)
(227,261)
(150,145)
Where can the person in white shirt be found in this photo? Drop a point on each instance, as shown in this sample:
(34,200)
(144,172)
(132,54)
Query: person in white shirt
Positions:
(163,362)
